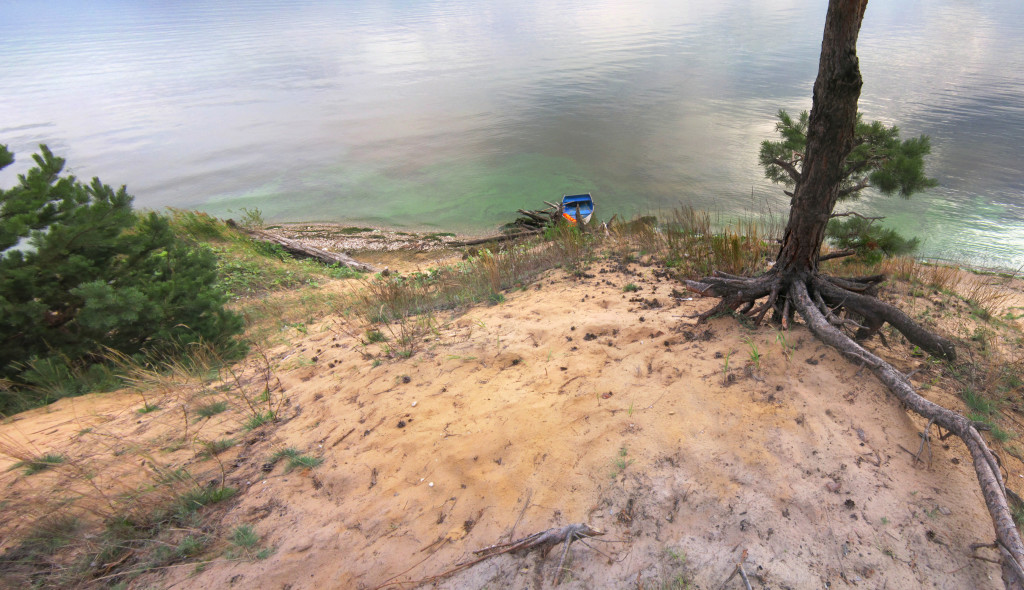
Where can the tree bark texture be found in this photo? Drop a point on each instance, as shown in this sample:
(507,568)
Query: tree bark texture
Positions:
(830,134)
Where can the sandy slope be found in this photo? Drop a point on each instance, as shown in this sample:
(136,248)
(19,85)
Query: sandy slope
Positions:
(573,402)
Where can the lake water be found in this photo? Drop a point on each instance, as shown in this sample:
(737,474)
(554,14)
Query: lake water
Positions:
(453,114)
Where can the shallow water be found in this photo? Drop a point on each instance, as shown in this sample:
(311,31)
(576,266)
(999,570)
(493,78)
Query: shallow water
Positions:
(453,114)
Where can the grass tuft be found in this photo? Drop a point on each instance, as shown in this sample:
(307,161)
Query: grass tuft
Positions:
(296,460)
(373,336)
(244,536)
(38,464)
(216,447)
(978,403)
(259,419)
(197,498)
(211,409)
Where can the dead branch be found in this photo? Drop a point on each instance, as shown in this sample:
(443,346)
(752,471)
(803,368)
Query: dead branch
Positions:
(544,540)
(535,215)
(839,254)
(855,214)
(526,506)
(739,570)
(926,443)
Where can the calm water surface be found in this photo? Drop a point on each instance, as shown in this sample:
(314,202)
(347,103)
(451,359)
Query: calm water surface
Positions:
(453,114)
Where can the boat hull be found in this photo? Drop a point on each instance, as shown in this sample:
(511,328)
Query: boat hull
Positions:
(578,206)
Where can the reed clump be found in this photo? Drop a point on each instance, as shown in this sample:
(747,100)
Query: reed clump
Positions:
(686,242)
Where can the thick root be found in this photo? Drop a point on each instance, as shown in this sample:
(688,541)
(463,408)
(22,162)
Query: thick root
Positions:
(985,465)
(876,312)
(820,308)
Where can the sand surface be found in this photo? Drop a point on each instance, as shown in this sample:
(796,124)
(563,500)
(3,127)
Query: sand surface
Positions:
(570,402)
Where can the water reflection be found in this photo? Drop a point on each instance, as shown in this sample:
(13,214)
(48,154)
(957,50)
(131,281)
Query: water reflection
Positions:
(453,114)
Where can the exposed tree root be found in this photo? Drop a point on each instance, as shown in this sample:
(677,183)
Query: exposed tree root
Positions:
(821,301)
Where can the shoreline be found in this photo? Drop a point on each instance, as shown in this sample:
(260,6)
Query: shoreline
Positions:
(348,238)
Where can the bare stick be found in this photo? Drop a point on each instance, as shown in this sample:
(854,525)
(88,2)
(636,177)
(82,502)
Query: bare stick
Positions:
(854,214)
(925,443)
(543,540)
(739,570)
(743,575)
(526,505)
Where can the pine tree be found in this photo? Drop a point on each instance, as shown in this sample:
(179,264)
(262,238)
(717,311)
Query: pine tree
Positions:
(829,304)
(81,272)
(878,159)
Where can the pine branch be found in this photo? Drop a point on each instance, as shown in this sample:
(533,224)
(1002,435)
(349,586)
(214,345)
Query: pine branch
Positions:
(863,184)
(789,168)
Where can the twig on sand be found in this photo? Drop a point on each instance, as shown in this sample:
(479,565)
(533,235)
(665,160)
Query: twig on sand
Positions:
(926,444)
(739,570)
(526,506)
(544,540)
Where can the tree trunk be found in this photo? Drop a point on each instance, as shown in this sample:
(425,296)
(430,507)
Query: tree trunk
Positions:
(829,140)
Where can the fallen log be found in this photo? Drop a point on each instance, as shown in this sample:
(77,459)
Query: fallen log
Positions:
(304,251)
(492,239)
(537,216)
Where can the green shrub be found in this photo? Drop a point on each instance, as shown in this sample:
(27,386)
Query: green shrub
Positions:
(244,536)
(872,242)
(81,273)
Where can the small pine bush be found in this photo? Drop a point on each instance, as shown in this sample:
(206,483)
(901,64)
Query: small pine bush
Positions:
(871,241)
(81,272)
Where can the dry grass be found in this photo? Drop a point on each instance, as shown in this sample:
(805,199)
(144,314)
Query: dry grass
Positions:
(903,268)
(687,243)
(405,306)
(940,276)
(117,504)
(987,296)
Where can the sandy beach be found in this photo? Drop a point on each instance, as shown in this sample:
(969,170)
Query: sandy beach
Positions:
(692,448)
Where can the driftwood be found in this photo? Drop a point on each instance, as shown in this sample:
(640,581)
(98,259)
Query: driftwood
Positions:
(537,216)
(302,250)
(493,239)
(530,222)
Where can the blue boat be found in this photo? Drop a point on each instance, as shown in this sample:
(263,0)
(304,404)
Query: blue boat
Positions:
(578,207)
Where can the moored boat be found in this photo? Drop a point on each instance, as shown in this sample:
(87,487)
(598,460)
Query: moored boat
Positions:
(578,207)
